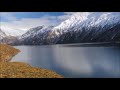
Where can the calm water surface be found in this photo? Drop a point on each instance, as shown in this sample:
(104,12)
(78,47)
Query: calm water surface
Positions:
(73,61)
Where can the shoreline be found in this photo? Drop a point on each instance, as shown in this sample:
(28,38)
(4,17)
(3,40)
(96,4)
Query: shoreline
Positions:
(89,44)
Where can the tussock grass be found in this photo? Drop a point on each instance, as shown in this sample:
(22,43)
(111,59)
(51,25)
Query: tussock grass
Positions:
(7,52)
(22,70)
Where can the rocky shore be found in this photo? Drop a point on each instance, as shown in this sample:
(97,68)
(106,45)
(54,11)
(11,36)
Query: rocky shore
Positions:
(19,69)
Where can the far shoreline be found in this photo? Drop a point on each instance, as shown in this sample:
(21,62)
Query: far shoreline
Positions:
(80,44)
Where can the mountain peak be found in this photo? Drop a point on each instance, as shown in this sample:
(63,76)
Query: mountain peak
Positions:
(88,19)
(80,16)
(35,31)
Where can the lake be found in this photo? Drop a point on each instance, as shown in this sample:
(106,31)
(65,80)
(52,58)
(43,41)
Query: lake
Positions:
(74,60)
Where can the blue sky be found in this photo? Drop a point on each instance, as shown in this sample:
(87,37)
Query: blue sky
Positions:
(27,20)
(20,15)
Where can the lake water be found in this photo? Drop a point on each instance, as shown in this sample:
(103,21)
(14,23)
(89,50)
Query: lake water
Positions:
(73,61)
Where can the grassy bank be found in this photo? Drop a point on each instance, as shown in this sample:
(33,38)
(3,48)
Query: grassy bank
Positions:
(22,70)
(7,52)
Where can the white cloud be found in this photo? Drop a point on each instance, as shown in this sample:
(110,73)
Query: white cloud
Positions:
(69,13)
(66,15)
(27,23)
(63,17)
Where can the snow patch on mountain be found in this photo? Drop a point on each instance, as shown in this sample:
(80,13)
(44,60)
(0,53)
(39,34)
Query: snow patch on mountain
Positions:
(13,31)
(88,19)
(36,31)
(2,34)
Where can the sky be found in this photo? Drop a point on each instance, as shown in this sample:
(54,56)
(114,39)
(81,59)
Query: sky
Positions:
(27,20)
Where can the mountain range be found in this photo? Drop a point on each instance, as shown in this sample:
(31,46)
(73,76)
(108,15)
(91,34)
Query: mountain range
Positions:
(81,27)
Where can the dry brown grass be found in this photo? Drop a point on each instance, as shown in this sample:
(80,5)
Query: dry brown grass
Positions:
(7,52)
(22,70)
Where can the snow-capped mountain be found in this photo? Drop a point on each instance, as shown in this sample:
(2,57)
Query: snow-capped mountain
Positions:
(88,19)
(13,32)
(2,34)
(35,35)
(89,27)
(5,39)
(33,32)
(80,27)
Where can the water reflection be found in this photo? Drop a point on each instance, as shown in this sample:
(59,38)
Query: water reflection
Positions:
(73,61)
